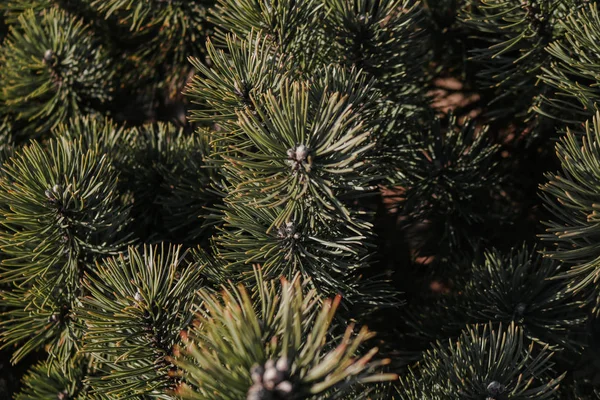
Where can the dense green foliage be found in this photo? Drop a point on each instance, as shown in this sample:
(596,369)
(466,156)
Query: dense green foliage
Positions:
(277,348)
(285,200)
(53,68)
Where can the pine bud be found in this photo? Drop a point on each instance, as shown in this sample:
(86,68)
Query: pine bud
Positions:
(284,388)
(297,157)
(495,388)
(53,193)
(272,377)
(283,364)
(257,373)
(287,231)
(301,152)
(270,381)
(48,54)
(258,392)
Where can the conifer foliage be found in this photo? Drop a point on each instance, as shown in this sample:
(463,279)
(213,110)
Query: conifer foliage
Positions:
(55,69)
(285,200)
(277,348)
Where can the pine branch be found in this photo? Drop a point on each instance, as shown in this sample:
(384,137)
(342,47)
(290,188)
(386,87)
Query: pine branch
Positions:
(333,256)
(299,150)
(161,168)
(166,33)
(518,287)
(170,183)
(13,8)
(276,345)
(294,159)
(483,364)
(59,211)
(293,28)
(137,305)
(174,16)
(249,66)
(46,381)
(377,37)
(572,197)
(100,134)
(53,69)
(510,52)
(450,177)
(574,69)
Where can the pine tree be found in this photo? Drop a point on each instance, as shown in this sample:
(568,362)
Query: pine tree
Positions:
(281,199)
